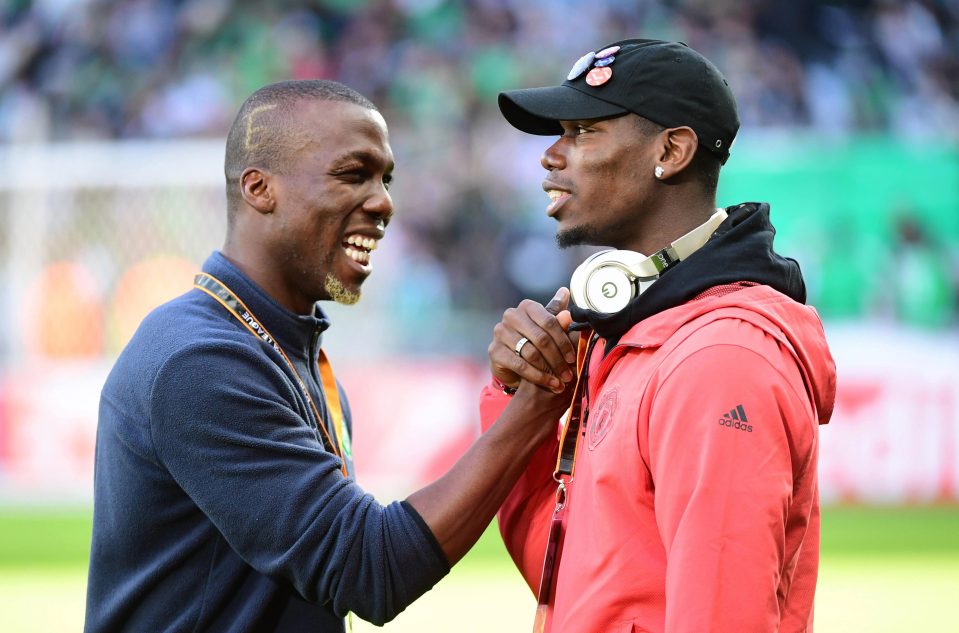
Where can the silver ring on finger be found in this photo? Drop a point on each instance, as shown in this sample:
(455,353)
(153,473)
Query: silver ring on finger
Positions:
(518,348)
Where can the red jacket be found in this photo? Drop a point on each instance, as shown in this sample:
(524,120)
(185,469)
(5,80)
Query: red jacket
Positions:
(695,502)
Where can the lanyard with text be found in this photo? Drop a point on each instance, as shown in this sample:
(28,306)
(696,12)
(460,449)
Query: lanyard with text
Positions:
(341,447)
(565,464)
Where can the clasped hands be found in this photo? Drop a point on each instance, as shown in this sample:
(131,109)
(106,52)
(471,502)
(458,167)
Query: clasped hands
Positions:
(548,359)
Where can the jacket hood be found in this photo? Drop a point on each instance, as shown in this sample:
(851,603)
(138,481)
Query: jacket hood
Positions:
(741,249)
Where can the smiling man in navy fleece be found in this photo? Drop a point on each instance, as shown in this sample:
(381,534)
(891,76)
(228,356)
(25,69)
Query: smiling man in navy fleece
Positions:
(221,501)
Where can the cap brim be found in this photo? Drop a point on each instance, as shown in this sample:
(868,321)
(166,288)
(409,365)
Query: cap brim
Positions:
(539,110)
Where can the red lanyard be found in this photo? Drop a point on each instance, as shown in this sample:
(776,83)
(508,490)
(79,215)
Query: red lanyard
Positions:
(341,447)
(563,475)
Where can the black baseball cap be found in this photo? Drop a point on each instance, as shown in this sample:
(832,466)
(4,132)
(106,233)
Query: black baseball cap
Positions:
(665,82)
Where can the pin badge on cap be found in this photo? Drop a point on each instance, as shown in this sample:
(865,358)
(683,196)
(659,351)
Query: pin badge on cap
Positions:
(581,65)
(599,76)
(605,61)
(606,52)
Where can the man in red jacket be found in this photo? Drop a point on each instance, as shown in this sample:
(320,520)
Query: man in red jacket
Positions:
(689,498)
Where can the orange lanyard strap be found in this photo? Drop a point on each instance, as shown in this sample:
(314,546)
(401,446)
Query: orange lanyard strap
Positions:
(566,458)
(342,447)
(565,463)
(332,394)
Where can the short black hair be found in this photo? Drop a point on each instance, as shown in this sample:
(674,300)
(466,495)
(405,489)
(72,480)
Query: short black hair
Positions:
(705,166)
(261,135)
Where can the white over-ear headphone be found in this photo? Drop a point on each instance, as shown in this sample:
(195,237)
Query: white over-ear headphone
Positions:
(608,280)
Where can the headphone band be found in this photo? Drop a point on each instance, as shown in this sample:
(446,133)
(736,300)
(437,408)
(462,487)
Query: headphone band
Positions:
(681,248)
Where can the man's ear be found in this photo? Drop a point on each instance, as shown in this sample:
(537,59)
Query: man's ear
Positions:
(256,186)
(678,148)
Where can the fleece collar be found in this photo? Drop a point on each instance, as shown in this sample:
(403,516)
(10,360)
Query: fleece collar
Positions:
(294,332)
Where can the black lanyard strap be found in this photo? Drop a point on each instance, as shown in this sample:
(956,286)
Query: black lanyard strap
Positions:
(339,444)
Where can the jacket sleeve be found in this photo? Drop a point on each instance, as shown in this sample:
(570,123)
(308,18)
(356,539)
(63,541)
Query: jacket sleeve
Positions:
(524,516)
(728,433)
(223,425)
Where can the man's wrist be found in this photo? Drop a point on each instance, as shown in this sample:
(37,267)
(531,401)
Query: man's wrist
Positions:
(502,386)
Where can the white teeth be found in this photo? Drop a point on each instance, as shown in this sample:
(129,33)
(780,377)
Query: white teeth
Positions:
(361,257)
(367,243)
(555,194)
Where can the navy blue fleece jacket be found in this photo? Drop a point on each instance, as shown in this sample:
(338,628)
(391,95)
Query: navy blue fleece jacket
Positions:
(216,508)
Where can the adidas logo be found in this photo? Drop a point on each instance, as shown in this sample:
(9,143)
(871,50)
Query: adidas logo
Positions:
(736,419)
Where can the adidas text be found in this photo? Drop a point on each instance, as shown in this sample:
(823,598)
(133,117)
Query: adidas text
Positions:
(736,424)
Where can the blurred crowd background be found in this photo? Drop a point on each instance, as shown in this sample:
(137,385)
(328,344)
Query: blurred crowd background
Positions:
(74,69)
(113,117)
(813,79)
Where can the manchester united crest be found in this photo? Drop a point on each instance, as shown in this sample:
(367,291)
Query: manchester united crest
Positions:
(601,418)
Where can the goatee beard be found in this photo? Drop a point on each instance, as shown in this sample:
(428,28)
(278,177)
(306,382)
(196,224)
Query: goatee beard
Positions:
(577,236)
(338,292)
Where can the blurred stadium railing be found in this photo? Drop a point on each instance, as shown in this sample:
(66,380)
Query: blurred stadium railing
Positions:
(94,235)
